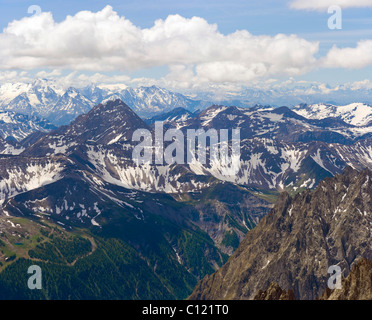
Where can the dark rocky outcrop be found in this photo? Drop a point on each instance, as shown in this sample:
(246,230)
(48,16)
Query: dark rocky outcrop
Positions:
(296,243)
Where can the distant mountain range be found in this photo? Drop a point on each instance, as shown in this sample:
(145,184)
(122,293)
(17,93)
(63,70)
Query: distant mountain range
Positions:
(290,95)
(59,105)
(357,114)
(281,149)
(18,126)
(45,99)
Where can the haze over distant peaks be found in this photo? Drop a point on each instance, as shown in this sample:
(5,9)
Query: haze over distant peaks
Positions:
(61,104)
(46,99)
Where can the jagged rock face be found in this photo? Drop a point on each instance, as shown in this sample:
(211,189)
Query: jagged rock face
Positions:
(296,243)
(356,286)
(274,292)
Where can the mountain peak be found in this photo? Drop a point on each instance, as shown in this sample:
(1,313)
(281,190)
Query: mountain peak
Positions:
(41,81)
(106,122)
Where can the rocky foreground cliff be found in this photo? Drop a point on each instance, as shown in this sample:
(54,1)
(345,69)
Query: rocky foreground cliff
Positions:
(295,244)
(357,285)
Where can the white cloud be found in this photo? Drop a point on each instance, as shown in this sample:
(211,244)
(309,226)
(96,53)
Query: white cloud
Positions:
(14,76)
(361,85)
(197,55)
(46,74)
(325,4)
(194,50)
(350,58)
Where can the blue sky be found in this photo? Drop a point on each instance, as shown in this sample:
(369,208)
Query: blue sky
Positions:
(258,17)
(263,18)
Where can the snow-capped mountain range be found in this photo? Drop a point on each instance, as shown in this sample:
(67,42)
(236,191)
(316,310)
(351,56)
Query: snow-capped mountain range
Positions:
(19,126)
(357,114)
(291,95)
(46,99)
(59,105)
(280,150)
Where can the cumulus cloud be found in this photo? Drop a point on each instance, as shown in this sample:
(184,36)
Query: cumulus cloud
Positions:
(365,84)
(325,4)
(193,49)
(46,74)
(350,58)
